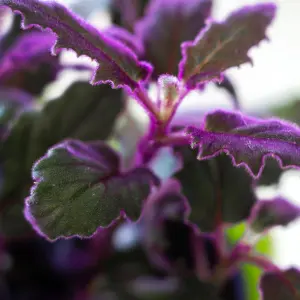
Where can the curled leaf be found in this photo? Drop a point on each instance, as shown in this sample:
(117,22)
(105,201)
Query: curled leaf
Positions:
(119,66)
(249,141)
(270,213)
(79,187)
(224,45)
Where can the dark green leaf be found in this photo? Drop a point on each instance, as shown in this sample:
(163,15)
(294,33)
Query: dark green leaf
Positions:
(15,177)
(215,186)
(83,112)
(79,187)
(225,45)
(14,153)
(271,173)
(283,285)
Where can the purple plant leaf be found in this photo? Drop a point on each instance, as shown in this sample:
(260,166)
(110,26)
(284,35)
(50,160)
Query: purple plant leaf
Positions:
(126,38)
(269,213)
(118,65)
(79,187)
(224,45)
(283,285)
(249,141)
(25,53)
(167,24)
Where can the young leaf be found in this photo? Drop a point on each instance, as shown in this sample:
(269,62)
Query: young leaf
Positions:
(119,66)
(211,189)
(270,213)
(166,25)
(224,45)
(283,285)
(247,140)
(79,187)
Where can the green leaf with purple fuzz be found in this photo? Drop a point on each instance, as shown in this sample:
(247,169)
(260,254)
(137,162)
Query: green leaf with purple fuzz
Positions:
(82,112)
(79,187)
(118,65)
(224,45)
(167,24)
(210,192)
(275,212)
(249,141)
(283,285)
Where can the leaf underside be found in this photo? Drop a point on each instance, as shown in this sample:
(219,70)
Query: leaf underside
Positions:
(118,65)
(249,141)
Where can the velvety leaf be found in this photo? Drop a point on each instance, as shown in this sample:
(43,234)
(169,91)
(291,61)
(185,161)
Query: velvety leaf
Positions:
(215,190)
(75,114)
(270,213)
(27,62)
(83,112)
(166,25)
(118,64)
(224,45)
(25,53)
(283,285)
(79,187)
(126,38)
(247,140)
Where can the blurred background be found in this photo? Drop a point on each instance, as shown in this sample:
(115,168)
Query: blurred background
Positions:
(271,87)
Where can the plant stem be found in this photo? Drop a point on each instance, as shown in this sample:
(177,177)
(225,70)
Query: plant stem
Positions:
(141,95)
